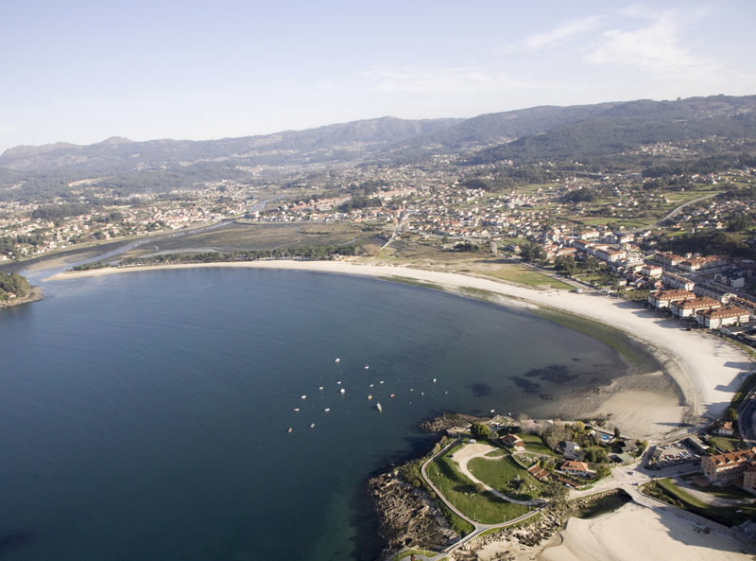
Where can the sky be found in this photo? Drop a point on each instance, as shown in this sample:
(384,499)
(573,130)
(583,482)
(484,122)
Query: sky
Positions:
(81,71)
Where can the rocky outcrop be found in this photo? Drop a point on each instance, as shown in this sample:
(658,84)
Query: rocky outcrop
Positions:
(408,517)
(35,294)
(450,421)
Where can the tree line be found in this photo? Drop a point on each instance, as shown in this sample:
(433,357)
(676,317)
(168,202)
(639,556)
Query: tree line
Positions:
(309,252)
(13,283)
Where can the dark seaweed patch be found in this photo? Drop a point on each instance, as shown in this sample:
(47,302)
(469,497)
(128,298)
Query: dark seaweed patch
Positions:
(555,374)
(528,386)
(481,390)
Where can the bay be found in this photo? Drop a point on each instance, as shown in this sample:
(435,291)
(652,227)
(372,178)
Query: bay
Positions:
(147,415)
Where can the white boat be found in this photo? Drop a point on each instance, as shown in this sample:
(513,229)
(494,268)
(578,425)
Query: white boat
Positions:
(321,388)
(290,430)
(312,425)
(342,390)
(296,410)
(337,360)
(327,409)
(367,367)
(370,397)
(379,407)
(304,397)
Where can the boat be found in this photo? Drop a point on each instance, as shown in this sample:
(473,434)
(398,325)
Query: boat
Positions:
(434,380)
(337,360)
(290,430)
(379,407)
(342,390)
(327,409)
(370,397)
(367,367)
(380,382)
(312,425)
(304,397)
(296,410)
(392,396)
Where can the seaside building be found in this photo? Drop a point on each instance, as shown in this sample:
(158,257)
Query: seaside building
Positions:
(729,315)
(513,441)
(668,259)
(664,298)
(689,308)
(673,280)
(730,468)
(576,468)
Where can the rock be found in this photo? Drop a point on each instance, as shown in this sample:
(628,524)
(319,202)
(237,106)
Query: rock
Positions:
(408,516)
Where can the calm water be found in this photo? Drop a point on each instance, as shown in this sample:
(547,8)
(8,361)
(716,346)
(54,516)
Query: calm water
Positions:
(145,416)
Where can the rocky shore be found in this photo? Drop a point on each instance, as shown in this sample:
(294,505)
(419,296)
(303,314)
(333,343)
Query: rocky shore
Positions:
(451,422)
(34,295)
(408,517)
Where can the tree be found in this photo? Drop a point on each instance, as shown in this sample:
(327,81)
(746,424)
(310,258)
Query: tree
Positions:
(616,432)
(603,471)
(565,264)
(731,414)
(480,431)
(533,252)
(555,491)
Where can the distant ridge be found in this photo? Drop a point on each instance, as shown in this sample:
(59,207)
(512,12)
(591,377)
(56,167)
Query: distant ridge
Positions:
(546,133)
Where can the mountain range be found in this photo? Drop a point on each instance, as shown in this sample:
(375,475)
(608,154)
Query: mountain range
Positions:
(539,133)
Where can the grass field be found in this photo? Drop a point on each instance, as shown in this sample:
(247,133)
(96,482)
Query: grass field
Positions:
(462,493)
(507,477)
(728,516)
(521,274)
(236,237)
(534,443)
(725,444)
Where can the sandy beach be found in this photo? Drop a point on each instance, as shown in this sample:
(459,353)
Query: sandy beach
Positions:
(707,369)
(634,532)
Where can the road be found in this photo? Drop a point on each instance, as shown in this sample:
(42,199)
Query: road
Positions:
(747,418)
(479,528)
(627,478)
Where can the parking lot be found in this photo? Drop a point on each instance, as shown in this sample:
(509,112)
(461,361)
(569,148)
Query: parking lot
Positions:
(673,454)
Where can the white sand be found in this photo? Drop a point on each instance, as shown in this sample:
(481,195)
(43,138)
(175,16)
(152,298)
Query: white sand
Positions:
(705,368)
(634,532)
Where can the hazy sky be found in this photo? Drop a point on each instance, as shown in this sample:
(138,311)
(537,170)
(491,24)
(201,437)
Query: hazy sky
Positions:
(84,70)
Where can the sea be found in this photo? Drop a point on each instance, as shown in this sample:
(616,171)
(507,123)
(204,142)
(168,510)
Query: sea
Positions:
(198,414)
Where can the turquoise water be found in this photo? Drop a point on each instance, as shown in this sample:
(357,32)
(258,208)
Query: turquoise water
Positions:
(146,415)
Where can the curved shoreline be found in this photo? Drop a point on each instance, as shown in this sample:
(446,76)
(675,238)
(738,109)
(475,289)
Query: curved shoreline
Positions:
(705,368)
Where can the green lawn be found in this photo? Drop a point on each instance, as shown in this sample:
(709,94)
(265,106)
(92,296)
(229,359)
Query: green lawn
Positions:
(524,275)
(534,443)
(725,444)
(728,516)
(461,492)
(502,474)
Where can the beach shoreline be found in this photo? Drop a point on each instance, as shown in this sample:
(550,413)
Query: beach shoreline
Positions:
(706,369)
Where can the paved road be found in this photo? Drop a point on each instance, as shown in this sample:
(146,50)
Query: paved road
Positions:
(479,528)
(628,478)
(747,419)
